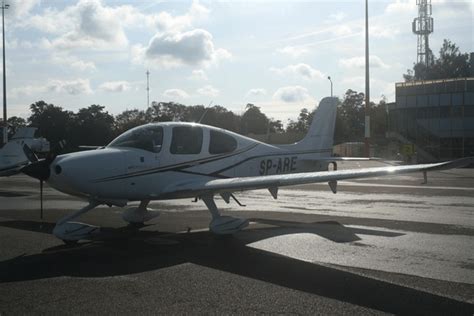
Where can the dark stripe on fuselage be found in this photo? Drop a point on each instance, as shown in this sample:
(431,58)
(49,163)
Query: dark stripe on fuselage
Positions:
(177,167)
(216,174)
(271,155)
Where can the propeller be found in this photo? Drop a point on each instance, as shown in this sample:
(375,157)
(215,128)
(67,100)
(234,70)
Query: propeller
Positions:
(39,169)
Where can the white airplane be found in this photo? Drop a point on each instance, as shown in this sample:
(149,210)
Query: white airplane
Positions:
(185,160)
(12,156)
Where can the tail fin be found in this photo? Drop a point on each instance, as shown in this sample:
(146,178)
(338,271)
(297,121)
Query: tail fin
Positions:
(25,132)
(320,134)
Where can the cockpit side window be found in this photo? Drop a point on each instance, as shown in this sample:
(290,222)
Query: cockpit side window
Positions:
(149,138)
(221,143)
(186,140)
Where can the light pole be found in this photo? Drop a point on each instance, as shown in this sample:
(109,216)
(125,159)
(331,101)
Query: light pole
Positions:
(367,82)
(329,78)
(5,125)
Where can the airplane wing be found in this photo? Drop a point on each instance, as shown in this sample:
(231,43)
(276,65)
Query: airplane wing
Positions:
(272,182)
(10,171)
(332,159)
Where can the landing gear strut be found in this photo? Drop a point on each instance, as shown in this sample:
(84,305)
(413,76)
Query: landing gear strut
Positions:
(223,225)
(71,232)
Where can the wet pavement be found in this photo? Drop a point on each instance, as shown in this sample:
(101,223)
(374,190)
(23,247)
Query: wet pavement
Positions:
(384,245)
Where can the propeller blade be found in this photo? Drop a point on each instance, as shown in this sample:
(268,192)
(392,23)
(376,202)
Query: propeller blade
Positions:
(39,169)
(29,153)
(41,199)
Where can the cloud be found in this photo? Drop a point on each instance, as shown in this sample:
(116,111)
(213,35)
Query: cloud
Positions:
(293,51)
(359,62)
(300,69)
(168,23)
(258,92)
(175,94)
(72,87)
(342,30)
(194,47)
(198,74)
(291,94)
(22,8)
(208,91)
(445,8)
(115,86)
(72,62)
(382,31)
(87,24)
(401,6)
(337,17)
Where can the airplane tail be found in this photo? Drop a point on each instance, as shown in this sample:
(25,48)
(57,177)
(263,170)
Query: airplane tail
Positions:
(320,135)
(24,132)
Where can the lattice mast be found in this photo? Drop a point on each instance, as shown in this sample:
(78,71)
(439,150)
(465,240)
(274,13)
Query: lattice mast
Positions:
(147,89)
(423,27)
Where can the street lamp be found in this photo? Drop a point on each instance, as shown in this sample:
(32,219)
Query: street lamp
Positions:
(5,125)
(367,82)
(329,77)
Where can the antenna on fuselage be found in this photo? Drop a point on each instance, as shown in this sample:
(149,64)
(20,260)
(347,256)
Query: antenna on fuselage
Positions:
(205,112)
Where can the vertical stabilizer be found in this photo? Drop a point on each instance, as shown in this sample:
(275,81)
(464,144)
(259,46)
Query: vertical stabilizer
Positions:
(25,132)
(320,134)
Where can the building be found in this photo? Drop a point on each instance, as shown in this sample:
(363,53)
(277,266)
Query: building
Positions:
(435,118)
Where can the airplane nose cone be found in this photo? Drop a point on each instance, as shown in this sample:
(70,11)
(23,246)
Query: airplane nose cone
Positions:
(39,170)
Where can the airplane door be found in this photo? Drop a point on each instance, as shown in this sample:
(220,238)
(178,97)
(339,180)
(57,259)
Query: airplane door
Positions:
(141,166)
(143,159)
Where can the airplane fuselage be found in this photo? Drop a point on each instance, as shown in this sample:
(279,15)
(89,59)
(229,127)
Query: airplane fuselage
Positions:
(133,168)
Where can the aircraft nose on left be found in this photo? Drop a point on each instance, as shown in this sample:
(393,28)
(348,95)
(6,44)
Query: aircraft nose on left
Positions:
(77,173)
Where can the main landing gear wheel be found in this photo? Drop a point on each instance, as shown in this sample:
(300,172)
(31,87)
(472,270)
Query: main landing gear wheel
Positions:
(223,225)
(137,216)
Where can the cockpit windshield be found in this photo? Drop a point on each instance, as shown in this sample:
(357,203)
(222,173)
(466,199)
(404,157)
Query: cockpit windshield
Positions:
(146,137)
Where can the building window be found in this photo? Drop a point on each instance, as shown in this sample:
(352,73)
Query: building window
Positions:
(445,99)
(434,100)
(457,99)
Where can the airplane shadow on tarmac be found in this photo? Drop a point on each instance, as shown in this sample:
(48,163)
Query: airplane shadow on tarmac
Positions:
(127,250)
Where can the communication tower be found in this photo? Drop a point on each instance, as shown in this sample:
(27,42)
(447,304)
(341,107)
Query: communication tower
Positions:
(423,27)
(147,89)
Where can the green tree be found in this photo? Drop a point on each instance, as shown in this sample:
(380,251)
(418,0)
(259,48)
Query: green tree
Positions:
(221,117)
(14,122)
(254,121)
(52,122)
(92,126)
(350,118)
(166,111)
(378,120)
(129,119)
(451,63)
(302,124)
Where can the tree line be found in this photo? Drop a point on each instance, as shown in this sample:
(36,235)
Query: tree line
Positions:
(95,126)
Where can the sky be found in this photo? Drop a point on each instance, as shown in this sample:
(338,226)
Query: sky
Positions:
(275,54)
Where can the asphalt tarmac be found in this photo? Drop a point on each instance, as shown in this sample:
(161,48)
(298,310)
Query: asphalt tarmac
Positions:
(383,245)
